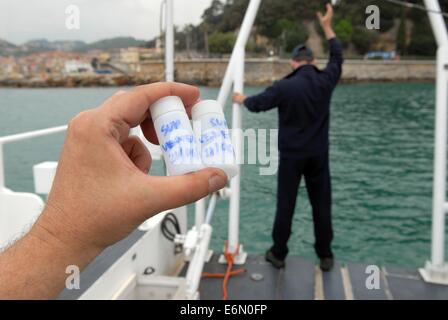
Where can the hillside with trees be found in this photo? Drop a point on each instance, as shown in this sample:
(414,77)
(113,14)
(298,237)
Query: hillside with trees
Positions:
(281,24)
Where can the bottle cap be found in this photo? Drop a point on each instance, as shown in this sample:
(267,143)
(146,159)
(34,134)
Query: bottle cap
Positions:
(204,107)
(165,105)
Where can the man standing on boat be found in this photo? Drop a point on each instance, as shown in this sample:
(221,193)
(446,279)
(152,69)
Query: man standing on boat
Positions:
(303,101)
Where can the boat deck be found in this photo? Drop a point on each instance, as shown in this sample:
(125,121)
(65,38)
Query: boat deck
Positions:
(303,280)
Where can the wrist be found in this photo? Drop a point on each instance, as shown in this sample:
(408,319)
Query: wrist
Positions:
(329,33)
(57,236)
(35,267)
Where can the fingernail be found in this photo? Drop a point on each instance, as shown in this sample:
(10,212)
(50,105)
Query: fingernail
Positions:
(217,182)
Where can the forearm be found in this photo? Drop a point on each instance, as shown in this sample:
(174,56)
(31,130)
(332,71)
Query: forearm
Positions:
(35,267)
(265,100)
(336,52)
(329,32)
(253,104)
(101,192)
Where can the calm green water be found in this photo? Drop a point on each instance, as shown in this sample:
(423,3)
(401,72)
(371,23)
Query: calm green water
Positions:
(381,160)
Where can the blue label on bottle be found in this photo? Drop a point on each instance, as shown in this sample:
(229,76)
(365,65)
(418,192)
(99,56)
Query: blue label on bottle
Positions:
(178,144)
(215,142)
(170,127)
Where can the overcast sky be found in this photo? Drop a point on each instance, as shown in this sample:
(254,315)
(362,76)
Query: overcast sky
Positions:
(22,20)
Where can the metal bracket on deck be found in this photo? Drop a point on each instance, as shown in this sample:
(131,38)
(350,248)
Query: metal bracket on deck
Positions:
(239,259)
(435,274)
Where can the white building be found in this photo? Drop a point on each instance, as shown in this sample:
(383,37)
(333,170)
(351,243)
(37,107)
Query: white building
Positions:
(76,66)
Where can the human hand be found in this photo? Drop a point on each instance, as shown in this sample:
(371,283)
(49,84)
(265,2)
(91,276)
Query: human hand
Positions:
(238,98)
(326,21)
(101,191)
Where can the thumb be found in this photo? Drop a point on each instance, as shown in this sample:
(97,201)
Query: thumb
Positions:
(319,15)
(176,191)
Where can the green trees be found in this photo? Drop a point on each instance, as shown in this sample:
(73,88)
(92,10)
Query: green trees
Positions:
(282,22)
(233,13)
(363,39)
(281,25)
(286,34)
(422,43)
(221,42)
(212,16)
(293,36)
(344,30)
(422,39)
(401,37)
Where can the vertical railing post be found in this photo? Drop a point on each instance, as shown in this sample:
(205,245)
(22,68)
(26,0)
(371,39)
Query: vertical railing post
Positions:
(169,42)
(234,206)
(440,149)
(235,74)
(243,36)
(2,169)
(199,213)
(436,270)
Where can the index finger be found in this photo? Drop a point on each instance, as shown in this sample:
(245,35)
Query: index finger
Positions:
(132,107)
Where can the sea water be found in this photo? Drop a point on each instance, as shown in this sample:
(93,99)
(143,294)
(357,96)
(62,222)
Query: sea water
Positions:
(381,164)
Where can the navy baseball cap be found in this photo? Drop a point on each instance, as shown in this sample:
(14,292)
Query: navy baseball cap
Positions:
(302,52)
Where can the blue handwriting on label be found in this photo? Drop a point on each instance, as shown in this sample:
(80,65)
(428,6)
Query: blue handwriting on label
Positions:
(183,155)
(214,134)
(171,143)
(215,122)
(181,149)
(217,149)
(170,127)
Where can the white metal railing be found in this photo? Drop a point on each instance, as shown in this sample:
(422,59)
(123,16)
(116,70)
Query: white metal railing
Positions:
(436,270)
(235,183)
(240,45)
(20,137)
(169,41)
(235,74)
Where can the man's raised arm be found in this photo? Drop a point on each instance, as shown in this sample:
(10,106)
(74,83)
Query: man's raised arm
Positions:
(334,66)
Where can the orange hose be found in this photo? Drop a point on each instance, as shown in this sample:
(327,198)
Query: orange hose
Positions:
(229,273)
(222,275)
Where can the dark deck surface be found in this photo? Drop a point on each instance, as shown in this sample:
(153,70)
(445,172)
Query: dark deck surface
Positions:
(100,265)
(299,280)
(302,280)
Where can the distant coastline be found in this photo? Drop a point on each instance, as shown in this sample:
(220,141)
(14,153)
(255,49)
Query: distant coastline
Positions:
(76,81)
(209,72)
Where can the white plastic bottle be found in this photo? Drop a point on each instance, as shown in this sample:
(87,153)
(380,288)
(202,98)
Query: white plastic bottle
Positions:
(175,134)
(213,135)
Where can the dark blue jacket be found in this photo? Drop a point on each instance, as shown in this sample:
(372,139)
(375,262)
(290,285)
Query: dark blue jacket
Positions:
(303,102)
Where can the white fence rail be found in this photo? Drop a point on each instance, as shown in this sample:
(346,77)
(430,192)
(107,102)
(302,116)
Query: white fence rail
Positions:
(436,270)
(19,137)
